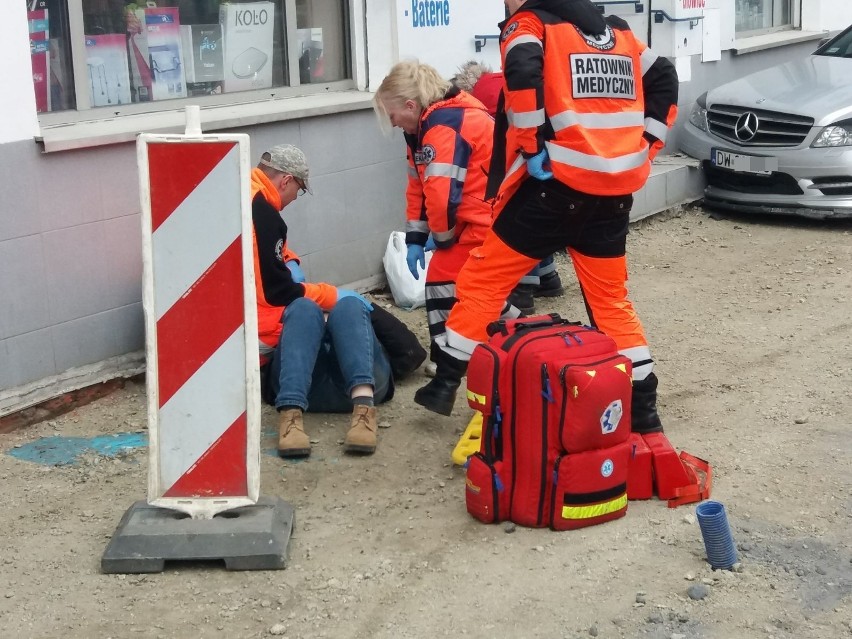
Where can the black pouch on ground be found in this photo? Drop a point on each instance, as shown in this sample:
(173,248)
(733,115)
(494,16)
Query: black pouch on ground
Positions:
(404,350)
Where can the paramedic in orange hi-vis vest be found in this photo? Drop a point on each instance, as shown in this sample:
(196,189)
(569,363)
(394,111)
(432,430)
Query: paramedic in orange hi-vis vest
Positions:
(586,108)
(449,135)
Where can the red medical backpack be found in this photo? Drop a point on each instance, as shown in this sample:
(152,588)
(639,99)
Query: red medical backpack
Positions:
(555,398)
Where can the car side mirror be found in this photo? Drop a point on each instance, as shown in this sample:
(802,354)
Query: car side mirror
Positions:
(822,43)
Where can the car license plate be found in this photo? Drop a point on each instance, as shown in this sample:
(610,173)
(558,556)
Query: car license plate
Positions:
(743,163)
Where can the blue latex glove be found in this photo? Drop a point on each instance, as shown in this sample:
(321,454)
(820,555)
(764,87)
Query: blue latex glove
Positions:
(345,292)
(416,255)
(536,166)
(430,243)
(296,271)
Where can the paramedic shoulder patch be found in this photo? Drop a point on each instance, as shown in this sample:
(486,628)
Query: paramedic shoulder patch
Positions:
(425,155)
(602,76)
(509,31)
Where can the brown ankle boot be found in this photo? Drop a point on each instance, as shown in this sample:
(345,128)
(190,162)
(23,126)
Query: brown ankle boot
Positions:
(361,437)
(292,439)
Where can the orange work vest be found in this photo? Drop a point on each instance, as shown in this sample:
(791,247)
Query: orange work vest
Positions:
(594,100)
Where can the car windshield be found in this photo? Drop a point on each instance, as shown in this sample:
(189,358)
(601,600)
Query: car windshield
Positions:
(841,47)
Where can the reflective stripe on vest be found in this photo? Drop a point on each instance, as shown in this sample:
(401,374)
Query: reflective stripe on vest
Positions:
(527,119)
(588,162)
(656,128)
(444,236)
(524,39)
(416,226)
(445,170)
(516,166)
(598,120)
(646,59)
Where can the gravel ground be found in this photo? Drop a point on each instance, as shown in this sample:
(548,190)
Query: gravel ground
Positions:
(749,321)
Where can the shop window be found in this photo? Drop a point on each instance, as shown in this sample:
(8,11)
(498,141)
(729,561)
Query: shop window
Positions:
(763,15)
(50,52)
(323,53)
(130,53)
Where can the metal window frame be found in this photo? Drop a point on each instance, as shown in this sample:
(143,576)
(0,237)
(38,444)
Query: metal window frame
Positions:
(795,21)
(355,11)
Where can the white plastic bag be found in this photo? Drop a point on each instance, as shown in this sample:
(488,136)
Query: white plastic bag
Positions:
(407,292)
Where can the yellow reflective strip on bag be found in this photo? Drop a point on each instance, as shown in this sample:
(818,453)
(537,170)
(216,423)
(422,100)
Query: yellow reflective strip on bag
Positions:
(474,397)
(587,512)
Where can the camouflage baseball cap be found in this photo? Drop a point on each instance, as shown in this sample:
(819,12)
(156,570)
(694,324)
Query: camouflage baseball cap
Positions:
(288,159)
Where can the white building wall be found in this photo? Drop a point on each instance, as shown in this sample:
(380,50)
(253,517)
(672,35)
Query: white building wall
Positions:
(381,40)
(447,41)
(18,119)
(826,15)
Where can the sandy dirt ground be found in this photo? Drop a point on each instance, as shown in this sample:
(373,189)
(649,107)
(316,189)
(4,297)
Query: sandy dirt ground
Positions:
(749,321)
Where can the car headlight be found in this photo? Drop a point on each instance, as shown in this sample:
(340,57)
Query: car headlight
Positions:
(698,115)
(837,134)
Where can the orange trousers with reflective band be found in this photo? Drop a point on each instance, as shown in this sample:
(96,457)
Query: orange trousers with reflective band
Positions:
(592,228)
(441,277)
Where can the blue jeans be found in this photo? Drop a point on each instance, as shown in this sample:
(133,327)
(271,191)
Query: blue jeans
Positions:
(317,362)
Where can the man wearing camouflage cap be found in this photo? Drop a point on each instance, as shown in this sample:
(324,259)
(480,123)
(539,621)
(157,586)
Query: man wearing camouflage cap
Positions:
(309,363)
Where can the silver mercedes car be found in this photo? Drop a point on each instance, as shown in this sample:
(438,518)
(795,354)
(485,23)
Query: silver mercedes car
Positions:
(780,140)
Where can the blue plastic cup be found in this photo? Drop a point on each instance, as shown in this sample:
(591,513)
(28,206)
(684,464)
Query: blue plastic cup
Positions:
(718,542)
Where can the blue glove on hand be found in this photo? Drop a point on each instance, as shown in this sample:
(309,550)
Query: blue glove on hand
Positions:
(430,243)
(296,271)
(416,255)
(536,166)
(345,292)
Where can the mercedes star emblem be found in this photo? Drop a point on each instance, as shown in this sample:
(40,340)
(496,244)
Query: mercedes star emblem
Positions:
(746,127)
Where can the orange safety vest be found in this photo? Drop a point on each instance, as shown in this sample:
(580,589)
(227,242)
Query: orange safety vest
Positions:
(594,99)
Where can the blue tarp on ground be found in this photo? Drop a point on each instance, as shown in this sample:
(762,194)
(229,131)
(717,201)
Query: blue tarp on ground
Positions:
(64,451)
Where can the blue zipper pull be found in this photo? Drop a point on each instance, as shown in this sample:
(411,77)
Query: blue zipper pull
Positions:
(546,393)
(498,419)
(498,482)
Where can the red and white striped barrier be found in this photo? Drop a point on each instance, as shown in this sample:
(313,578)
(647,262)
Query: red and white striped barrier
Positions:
(201,322)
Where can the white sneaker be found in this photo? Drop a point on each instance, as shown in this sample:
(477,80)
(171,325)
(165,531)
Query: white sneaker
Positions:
(431,369)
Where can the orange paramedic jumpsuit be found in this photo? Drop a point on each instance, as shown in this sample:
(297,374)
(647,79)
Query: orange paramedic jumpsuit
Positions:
(600,104)
(447,173)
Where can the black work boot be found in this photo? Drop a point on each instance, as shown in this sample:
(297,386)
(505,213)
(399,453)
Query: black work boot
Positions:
(643,414)
(521,298)
(439,394)
(550,286)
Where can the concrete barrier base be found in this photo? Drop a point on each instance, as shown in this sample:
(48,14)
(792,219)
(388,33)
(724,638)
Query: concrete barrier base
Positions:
(247,538)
